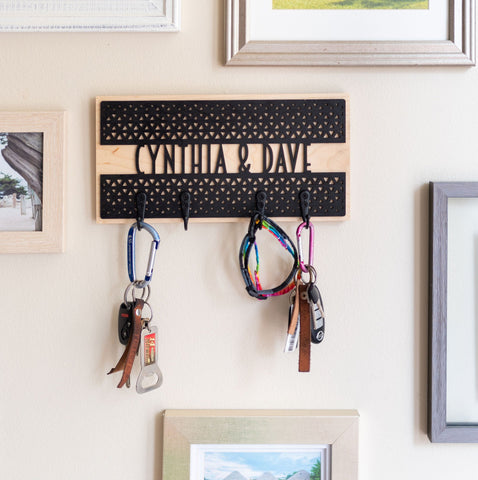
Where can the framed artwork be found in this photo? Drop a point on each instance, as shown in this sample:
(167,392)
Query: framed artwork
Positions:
(260,445)
(350,32)
(31,182)
(85,15)
(453,284)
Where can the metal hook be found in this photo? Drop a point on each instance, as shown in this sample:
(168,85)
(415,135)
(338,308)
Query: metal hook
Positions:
(261,199)
(304,197)
(185,207)
(140,208)
(256,219)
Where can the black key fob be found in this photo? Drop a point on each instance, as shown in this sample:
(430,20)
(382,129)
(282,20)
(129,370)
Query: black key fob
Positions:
(317,321)
(125,322)
(313,293)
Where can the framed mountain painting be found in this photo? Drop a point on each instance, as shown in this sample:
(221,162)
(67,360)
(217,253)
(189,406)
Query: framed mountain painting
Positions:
(260,444)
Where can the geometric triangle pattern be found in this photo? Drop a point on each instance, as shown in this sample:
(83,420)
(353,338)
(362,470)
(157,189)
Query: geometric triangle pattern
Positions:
(222,195)
(176,122)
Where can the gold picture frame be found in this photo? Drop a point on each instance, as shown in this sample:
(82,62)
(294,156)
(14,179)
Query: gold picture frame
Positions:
(184,429)
(458,48)
(46,234)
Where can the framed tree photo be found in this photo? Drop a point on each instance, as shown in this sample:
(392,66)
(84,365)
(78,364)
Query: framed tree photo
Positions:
(31,182)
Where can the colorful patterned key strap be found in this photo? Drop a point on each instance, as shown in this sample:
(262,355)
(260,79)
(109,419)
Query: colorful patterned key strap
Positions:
(251,277)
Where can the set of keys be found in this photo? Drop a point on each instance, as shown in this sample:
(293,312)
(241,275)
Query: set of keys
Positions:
(134,325)
(306,310)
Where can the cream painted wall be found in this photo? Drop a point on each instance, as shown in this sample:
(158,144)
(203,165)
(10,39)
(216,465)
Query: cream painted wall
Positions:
(61,417)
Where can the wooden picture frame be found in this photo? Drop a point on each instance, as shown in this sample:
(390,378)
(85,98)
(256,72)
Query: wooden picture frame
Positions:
(58,16)
(440,428)
(457,49)
(35,147)
(186,430)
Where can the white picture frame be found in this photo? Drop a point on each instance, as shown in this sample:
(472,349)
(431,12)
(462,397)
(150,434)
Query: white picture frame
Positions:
(87,16)
(456,48)
(261,462)
(336,430)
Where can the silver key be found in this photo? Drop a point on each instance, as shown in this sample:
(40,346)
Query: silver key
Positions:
(292,340)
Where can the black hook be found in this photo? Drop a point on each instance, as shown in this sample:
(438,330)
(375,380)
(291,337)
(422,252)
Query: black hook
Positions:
(185,207)
(256,219)
(261,199)
(304,197)
(140,208)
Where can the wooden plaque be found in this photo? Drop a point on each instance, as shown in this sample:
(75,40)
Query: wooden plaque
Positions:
(222,150)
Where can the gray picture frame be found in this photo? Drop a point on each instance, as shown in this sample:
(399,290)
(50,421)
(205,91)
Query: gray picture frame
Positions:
(457,49)
(439,430)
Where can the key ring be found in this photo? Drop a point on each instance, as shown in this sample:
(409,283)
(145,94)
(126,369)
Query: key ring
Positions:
(145,320)
(134,285)
(308,269)
(132,254)
(251,279)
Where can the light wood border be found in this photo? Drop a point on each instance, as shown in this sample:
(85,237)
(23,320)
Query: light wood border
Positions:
(438,428)
(338,428)
(51,238)
(458,49)
(91,22)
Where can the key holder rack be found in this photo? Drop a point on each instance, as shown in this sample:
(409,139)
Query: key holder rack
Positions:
(205,158)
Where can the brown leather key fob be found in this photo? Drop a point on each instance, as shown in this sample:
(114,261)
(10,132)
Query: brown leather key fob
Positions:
(125,363)
(304,338)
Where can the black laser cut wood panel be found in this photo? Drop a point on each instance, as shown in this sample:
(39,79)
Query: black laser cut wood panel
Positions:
(222,150)
(222,121)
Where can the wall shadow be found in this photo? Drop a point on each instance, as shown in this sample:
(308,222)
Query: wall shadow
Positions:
(158,442)
(420,330)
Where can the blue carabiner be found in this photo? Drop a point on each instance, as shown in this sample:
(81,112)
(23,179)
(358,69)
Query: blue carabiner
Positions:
(132,254)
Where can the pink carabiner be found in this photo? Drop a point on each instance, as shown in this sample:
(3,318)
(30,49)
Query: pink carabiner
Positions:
(310,227)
